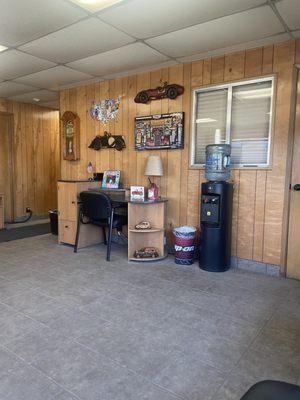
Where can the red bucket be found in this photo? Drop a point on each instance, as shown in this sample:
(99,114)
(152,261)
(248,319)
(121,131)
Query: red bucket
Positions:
(184,244)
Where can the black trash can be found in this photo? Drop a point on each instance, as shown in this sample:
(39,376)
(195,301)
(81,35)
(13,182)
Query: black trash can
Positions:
(53,215)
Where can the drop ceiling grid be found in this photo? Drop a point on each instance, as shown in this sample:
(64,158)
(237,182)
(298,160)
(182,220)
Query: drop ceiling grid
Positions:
(58,68)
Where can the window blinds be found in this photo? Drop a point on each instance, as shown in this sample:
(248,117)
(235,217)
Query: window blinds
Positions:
(250,123)
(211,111)
(242,112)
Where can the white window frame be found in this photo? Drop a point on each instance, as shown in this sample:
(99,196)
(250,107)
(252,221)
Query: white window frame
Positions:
(230,86)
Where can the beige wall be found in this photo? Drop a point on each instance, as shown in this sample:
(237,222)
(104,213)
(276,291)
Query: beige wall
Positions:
(259,194)
(35,144)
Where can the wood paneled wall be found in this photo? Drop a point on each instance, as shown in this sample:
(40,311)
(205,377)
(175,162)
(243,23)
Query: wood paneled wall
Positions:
(36,160)
(259,194)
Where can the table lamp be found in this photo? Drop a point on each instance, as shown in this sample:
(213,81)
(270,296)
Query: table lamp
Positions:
(154,167)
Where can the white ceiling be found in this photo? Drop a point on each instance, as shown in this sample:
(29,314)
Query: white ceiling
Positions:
(61,43)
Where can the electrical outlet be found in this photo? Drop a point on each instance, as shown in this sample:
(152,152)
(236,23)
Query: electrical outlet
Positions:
(28,209)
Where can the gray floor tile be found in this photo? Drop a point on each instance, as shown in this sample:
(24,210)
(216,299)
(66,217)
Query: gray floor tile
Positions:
(74,327)
(27,299)
(68,295)
(257,365)
(8,289)
(76,323)
(32,344)
(6,311)
(130,316)
(190,378)
(47,313)
(209,324)
(15,326)
(220,353)
(233,390)
(26,383)
(256,311)
(286,316)
(144,354)
(117,383)
(68,363)
(8,361)
(66,396)
(280,343)
(294,294)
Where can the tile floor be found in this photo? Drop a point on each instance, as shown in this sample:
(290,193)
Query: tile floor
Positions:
(73,326)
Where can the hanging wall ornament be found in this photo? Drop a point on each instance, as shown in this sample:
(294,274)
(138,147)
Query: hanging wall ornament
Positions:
(105,110)
(108,141)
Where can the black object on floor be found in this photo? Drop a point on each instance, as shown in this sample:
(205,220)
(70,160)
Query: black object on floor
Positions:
(272,390)
(53,215)
(216,216)
(6,235)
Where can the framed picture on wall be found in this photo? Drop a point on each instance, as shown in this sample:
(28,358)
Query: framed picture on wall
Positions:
(111,179)
(163,131)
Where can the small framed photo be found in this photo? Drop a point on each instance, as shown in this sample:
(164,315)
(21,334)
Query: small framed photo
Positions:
(111,179)
(137,193)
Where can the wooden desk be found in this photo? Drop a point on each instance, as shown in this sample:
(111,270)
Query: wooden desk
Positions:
(152,211)
(68,192)
(148,210)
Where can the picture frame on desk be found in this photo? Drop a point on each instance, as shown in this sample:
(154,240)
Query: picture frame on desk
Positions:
(111,179)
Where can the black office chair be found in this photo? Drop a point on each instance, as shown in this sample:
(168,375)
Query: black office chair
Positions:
(97,208)
(272,390)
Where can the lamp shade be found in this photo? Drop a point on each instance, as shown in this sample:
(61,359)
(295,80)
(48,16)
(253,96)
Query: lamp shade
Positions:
(154,166)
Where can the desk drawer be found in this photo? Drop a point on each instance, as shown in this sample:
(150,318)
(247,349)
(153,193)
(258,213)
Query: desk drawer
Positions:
(67,231)
(67,201)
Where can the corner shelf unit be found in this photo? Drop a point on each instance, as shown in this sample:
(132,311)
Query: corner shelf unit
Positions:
(154,212)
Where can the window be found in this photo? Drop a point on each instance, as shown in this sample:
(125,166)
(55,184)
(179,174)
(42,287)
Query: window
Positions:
(242,114)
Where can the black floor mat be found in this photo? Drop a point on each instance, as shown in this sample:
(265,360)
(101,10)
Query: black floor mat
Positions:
(6,235)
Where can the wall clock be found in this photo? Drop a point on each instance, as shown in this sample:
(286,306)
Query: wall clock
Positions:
(70,136)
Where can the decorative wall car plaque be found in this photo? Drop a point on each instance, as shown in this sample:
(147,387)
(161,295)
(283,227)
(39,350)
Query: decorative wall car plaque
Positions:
(105,110)
(70,136)
(163,131)
(108,141)
(166,91)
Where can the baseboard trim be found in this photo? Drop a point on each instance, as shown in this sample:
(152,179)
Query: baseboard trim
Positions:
(255,266)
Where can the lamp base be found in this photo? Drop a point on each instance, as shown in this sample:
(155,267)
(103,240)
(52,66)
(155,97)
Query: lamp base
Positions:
(153,191)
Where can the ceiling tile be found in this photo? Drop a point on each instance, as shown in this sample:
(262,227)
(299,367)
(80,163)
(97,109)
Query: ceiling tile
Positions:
(237,47)
(92,36)
(85,82)
(95,5)
(227,31)
(8,89)
(22,21)
(144,68)
(14,63)
(123,59)
(290,12)
(42,95)
(53,78)
(144,18)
